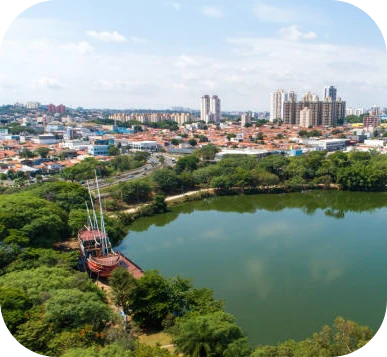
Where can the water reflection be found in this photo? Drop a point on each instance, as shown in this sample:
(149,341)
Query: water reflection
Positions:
(325,271)
(334,204)
(259,277)
(291,264)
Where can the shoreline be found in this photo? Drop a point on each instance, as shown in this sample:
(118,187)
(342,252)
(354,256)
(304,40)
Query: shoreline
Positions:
(199,194)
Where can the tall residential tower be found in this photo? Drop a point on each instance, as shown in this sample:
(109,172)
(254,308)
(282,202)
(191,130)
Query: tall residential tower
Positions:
(210,109)
(277,100)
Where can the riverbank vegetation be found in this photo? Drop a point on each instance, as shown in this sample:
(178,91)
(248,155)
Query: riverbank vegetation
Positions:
(355,171)
(53,309)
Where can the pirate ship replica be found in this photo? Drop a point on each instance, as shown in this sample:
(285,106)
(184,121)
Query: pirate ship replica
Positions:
(94,243)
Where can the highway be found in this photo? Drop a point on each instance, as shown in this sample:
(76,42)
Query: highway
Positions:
(153,163)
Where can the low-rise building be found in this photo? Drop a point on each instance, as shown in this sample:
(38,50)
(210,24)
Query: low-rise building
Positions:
(143,145)
(45,140)
(98,150)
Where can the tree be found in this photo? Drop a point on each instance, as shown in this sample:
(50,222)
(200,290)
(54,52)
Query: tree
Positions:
(192,142)
(42,222)
(123,284)
(175,142)
(25,153)
(207,335)
(42,151)
(14,302)
(260,136)
(113,150)
(203,139)
(150,300)
(188,163)
(230,136)
(208,152)
(159,205)
(166,180)
(275,164)
(72,308)
(134,191)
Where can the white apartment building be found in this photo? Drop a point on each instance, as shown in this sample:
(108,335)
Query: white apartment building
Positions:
(205,109)
(210,109)
(277,100)
(215,108)
(32,105)
(375,110)
(305,118)
(245,119)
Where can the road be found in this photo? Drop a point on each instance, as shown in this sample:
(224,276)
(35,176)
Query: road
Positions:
(153,163)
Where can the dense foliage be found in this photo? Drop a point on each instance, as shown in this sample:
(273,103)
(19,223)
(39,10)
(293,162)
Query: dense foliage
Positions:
(54,310)
(355,171)
(86,169)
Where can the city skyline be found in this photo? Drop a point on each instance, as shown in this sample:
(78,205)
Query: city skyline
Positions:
(54,52)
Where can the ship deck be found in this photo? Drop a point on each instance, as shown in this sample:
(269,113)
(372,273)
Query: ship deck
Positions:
(132,267)
(88,235)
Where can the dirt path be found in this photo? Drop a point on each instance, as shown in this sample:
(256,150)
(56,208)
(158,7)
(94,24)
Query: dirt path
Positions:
(170,199)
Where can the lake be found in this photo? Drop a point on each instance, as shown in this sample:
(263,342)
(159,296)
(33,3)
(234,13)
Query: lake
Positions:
(284,264)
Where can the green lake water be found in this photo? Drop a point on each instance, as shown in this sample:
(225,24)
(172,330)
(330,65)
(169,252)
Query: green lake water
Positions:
(284,264)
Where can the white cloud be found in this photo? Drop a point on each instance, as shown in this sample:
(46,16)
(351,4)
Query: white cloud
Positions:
(178,86)
(40,44)
(84,48)
(270,13)
(211,11)
(103,84)
(49,83)
(106,36)
(186,61)
(81,47)
(138,40)
(293,33)
(243,75)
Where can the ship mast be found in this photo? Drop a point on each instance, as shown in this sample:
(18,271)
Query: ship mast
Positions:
(92,228)
(95,225)
(103,229)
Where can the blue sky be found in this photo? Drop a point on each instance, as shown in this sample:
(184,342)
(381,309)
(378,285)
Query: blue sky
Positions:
(158,54)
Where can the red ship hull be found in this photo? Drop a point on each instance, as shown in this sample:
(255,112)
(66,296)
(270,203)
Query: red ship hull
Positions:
(104,265)
(95,245)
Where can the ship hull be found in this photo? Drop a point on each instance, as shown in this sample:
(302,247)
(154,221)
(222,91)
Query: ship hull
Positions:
(103,266)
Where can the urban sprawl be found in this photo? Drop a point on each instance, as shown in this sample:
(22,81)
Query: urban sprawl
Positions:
(42,140)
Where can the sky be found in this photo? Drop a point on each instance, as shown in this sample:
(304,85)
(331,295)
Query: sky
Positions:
(164,53)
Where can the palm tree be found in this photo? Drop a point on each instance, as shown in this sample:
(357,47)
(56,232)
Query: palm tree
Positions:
(194,338)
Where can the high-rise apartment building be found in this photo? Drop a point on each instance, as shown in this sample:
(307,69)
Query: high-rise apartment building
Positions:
(292,97)
(245,119)
(306,118)
(32,105)
(371,121)
(215,108)
(51,108)
(375,110)
(210,109)
(277,100)
(60,109)
(341,108)
(326,112)
(330,92)
(205,109)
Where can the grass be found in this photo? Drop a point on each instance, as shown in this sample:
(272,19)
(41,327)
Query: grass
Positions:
(157,339)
